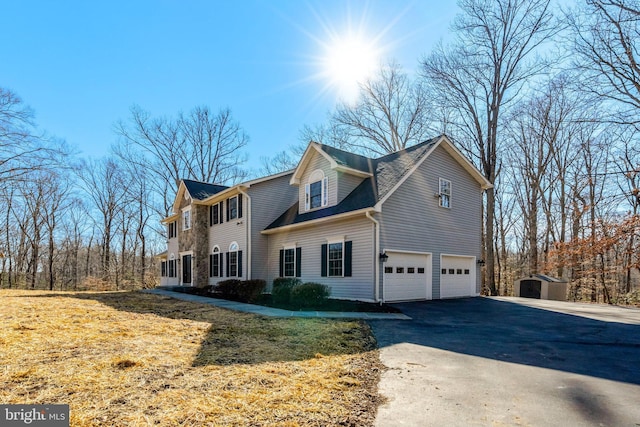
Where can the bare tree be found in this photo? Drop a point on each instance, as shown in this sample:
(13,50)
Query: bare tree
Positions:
(104,184)
(390,114)
(480,74)
(201,145)
(607,43)
(280,162)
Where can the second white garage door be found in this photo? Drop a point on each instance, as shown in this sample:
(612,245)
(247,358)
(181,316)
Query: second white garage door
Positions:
(407,276)
(457,276)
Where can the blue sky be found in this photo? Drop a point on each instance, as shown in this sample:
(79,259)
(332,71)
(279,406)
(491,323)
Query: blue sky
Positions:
(82,65)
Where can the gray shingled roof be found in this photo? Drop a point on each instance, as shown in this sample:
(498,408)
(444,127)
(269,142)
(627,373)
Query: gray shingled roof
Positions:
(351,160)
(202,190)
(387,171)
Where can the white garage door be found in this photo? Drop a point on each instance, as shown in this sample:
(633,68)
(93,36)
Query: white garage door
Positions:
(407,276)
(457,276)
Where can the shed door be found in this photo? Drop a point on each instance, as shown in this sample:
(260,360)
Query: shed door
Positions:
(530,288)
(407,277)
(457,276)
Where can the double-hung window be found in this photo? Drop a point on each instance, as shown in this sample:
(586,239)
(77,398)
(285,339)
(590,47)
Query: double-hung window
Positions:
(215,263)
(289,262)
(336,259)
(234,261)
(172,268)
(186,219)
(172,229)
(444,193)
(233,208)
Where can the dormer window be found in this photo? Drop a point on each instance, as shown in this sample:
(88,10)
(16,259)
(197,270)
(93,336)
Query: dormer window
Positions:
(316,191)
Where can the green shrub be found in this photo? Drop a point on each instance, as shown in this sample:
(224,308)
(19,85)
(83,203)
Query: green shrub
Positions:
(281,291)
(238,290)
(309,294)
(250,290)
(228,289)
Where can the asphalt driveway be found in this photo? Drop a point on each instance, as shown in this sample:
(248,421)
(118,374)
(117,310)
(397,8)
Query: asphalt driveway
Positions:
(510,361)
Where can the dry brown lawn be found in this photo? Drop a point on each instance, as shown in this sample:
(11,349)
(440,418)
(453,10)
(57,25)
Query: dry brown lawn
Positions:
(135,359)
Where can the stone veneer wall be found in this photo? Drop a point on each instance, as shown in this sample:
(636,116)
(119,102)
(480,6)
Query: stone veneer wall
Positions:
(200,260)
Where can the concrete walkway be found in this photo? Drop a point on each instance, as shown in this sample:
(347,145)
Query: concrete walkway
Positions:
(276,312)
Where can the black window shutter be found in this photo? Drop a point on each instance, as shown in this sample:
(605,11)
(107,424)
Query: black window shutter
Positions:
(221,213)
(210,216)
(298,262)
(228,209)
(227,258)
(281,262)
(210,265)
(239,205)
(347,258)
(323,260)
(239,263)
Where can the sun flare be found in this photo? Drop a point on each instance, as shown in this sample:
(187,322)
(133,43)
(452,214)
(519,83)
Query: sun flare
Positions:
(348,62)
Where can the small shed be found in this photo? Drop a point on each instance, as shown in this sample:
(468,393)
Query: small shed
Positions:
(540,286)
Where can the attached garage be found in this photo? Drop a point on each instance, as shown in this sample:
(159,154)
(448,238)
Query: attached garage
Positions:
(457,276)
(407,276)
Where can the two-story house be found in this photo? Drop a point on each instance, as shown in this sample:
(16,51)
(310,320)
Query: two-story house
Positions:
(405,226)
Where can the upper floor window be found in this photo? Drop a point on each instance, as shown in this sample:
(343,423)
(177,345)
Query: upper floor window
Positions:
(316,191)
(186,219)
(444,193)
(172,229)
(232,206)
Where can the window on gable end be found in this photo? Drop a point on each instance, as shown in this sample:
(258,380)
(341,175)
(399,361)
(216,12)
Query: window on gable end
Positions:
(186,219)
(444,193)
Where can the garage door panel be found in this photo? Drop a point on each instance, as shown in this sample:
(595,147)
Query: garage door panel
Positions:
(457,276)
(406,277)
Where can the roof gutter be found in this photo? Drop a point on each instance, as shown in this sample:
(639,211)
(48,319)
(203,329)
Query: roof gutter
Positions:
(318,221)
(248,228)
(376,245)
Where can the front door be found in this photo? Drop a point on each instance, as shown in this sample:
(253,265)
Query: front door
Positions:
(186,269)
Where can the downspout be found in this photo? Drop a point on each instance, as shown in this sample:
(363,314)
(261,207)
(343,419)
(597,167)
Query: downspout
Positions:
(376,262)
(249,248)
